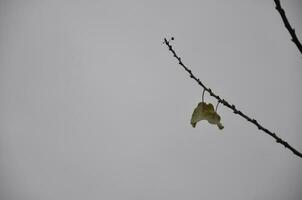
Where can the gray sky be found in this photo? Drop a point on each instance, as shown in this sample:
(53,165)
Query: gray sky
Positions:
(93,105)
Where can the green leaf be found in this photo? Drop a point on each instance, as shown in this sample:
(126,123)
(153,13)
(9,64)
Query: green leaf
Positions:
(205,111)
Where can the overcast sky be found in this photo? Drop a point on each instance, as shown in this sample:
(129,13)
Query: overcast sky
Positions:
(94,106)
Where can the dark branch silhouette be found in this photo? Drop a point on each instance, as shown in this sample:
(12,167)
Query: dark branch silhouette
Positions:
(288,26)
(231,106)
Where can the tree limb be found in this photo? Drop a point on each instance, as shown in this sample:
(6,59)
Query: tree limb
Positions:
(288,26)
(231,106)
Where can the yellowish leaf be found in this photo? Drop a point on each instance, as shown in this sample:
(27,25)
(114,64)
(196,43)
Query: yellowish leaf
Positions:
(205,111)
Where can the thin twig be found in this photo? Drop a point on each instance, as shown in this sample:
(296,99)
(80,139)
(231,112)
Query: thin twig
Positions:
(288,26)
(231,106)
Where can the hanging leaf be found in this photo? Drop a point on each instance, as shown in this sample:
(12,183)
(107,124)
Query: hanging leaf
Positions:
(205,111)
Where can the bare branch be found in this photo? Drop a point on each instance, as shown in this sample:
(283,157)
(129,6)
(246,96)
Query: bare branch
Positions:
(288,26)
(231,106)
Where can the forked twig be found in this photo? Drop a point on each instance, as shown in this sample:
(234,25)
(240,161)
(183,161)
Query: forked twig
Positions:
(231,106)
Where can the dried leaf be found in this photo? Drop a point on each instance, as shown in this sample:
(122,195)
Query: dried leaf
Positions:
(205,111)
